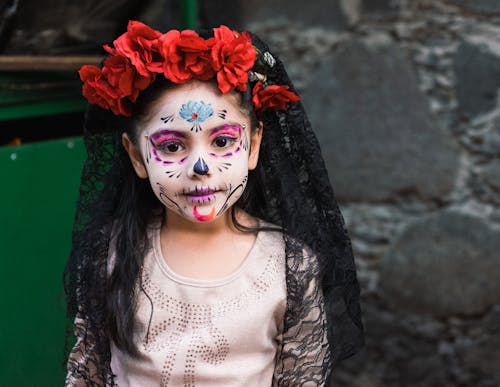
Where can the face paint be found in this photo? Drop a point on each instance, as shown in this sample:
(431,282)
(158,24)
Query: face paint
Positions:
(225,136)
(204,218)
(196,112)
(200,167)
(169,118)
(166,200)
(222,113)
(232,193)
(198,174)
(165,141)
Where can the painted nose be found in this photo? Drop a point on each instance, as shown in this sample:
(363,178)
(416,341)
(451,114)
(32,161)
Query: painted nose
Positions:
(200,167)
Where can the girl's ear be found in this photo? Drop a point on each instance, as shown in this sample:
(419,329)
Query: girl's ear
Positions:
(256,138)
(135,157)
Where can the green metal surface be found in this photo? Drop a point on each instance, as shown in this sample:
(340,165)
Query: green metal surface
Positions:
(189,14)
(38,192)
(32,94)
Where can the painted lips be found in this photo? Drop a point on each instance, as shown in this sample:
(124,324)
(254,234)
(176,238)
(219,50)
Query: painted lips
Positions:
(201,195)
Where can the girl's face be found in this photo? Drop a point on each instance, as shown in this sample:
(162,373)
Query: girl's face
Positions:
(196,147)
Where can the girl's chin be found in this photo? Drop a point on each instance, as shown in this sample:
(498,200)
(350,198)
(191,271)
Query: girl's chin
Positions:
(204,213)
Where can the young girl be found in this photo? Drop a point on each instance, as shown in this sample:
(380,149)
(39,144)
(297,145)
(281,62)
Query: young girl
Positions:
(208,247)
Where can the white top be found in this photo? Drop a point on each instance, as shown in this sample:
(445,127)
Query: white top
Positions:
(223,332)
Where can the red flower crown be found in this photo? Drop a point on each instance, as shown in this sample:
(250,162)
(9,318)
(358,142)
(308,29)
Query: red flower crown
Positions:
(141,53)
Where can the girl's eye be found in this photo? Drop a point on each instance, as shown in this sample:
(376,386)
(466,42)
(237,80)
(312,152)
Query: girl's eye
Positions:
(170,146)
(173,147)
(224,142)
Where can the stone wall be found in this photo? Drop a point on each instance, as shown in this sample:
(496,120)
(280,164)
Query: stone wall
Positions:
(404,97)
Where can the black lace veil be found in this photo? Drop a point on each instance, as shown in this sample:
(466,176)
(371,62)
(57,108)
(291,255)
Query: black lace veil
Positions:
(297,196)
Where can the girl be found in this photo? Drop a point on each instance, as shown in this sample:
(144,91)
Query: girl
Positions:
(208,247)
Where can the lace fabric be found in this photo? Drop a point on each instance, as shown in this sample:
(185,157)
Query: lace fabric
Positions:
(304,356)
(323,319)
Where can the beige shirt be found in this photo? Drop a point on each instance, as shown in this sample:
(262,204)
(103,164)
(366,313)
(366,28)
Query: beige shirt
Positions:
(223,332)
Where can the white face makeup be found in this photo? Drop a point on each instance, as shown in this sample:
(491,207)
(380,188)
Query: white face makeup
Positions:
(195,148)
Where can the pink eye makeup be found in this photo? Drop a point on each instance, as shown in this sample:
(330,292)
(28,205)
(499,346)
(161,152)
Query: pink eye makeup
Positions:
(164,135)
(229,130)
(169,141)
(225,139)
(225,136)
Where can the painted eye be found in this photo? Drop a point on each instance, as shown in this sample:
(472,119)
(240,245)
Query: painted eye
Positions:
(173,147)
(170,147)
(224,142)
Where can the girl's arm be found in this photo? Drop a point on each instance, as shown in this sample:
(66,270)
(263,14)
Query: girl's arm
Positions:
(304,356)
(83,361)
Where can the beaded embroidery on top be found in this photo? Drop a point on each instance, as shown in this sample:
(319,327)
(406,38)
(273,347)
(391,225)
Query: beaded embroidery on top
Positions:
(207,342)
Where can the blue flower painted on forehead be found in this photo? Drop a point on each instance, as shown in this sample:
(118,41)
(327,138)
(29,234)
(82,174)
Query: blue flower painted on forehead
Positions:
(196,112)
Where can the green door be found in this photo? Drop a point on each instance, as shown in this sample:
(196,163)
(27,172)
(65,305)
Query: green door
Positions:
(38,192)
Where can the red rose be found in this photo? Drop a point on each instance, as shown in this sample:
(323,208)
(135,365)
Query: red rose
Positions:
(99,92)
(272,97)
(232,55)
(186,55)
(197,56)
(120,74)
(225,34)
(140,45)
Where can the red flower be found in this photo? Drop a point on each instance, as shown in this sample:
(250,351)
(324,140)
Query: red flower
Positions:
(272,97)
(186,55)
(225,34)
(232,55)
(99,92)
(120,74)
(140,45)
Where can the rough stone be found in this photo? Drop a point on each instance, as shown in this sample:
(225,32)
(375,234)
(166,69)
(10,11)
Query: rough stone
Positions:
(375,128)
(491,321)
(445,264)
(402,356)
(492,175)
(477,72)
(242,14)
(485,6)
(483,355)
(490,145)
(213,13)
(493,138)
(381,8)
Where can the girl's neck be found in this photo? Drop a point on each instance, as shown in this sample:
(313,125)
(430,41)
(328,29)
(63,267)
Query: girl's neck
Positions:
(205,251)
(174,224)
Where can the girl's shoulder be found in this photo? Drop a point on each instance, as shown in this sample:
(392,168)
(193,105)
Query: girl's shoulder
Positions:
(299,255)
(270,236)
(275,234)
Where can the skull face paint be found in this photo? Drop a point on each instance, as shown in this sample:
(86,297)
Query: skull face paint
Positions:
(196,172)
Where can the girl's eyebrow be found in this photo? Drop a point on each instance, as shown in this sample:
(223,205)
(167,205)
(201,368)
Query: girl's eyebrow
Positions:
(165,132)
(231,127)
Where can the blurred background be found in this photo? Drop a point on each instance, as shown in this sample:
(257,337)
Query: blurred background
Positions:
(404,97)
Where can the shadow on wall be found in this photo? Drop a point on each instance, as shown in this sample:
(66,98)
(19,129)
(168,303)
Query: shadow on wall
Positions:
(403,96)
